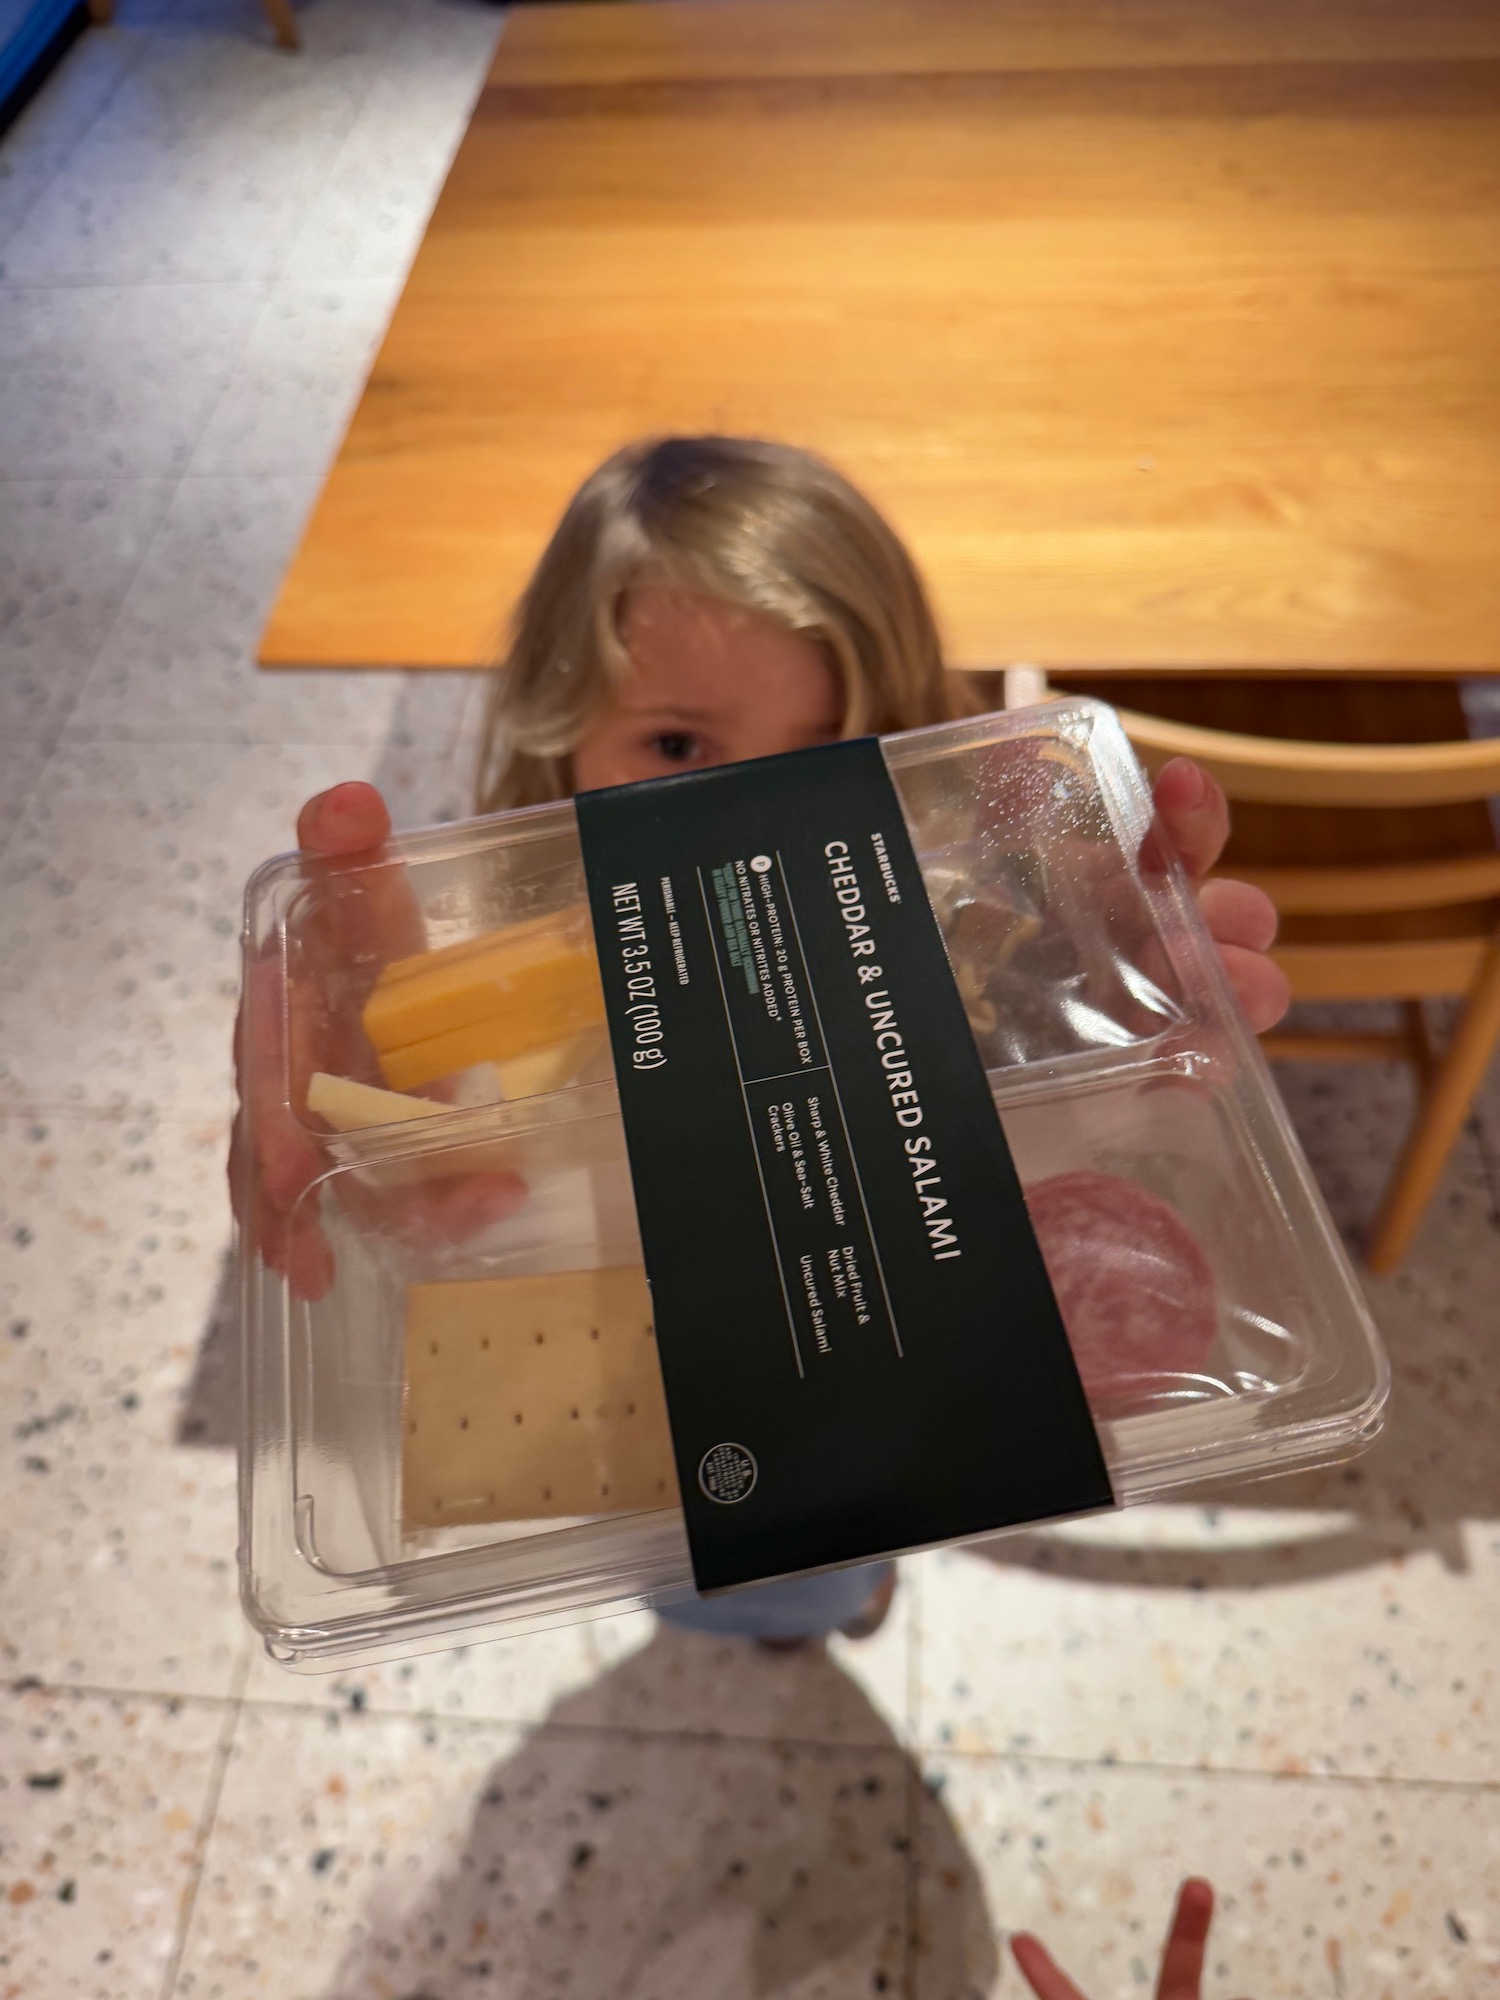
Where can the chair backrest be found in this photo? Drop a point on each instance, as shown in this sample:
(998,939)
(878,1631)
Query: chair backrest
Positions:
(1275,771)
(1389,777)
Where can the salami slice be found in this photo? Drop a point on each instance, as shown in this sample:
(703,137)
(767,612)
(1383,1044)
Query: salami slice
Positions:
(1132,1282)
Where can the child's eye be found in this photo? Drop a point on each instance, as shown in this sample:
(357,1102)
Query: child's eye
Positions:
(676,745)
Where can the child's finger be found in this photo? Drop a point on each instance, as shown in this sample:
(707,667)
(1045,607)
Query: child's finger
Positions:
(286,1156)
(1040,1969)
(1238,913)
(374,915)
(1187,1941)
(1260,986)
(346,819)
(1193,815)
(459,1209)
(437,1214)
(309,1262)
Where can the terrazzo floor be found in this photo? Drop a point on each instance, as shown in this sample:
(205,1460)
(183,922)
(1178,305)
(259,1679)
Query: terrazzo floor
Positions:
(1295,1689)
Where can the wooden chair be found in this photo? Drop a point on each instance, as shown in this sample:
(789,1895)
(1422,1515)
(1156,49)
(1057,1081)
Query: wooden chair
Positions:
(278,13)
(1382,857)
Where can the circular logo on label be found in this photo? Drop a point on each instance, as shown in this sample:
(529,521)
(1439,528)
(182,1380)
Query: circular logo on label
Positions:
(728,1474)
(761,864)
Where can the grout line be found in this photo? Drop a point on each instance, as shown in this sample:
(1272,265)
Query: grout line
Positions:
(48,754)
(407,17)
(83,478)
(458,127)
(108,633)
(122,1114)
(275,276)
(103,1691)
(914,1755)
(1219,1773)
(188,1901)
(912,1580)
(583,1732)
(185,282)
(912,1884)
(56,739)
(147,552)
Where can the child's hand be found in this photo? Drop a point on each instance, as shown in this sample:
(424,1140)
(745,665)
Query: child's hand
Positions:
(1194,814)
(1181,1974)
(284,1033)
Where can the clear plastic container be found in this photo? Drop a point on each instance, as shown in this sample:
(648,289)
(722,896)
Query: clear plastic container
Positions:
(1112,1046)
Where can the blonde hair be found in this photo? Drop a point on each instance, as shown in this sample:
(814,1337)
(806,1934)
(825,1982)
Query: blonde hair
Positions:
(758,525)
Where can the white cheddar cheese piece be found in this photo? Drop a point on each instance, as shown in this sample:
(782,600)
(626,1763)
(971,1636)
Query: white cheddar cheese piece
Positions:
(354,1107)
(541,1070)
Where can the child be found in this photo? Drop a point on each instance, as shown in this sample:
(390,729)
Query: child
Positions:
(705,600)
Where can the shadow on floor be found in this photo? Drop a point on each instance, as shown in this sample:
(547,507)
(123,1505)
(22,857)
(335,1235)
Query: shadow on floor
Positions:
(607,1861)
(209,1414)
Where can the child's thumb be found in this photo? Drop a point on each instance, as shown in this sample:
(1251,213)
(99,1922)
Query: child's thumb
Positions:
(347,819)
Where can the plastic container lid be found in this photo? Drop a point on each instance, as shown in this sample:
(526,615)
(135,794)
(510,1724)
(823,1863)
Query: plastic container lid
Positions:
(1216,1323)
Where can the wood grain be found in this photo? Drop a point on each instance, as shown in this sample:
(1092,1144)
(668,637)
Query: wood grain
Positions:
(1164,334)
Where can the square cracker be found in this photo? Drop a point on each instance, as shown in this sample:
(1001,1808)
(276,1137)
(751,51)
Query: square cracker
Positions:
(531,1398)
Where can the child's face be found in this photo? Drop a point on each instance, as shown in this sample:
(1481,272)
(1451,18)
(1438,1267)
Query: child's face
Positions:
(709,684)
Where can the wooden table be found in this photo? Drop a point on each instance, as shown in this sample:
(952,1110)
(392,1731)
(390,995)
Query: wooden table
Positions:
(1167,331)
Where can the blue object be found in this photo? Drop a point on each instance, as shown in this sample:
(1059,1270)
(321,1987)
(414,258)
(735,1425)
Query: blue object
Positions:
(805,1607)
(43,36)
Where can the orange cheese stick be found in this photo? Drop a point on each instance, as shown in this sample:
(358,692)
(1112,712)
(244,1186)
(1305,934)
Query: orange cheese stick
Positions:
(570,924)
(486,1000)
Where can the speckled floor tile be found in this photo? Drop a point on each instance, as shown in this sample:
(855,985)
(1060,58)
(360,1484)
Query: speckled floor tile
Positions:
(1334,1622)
(179,663)
(297,382)
(100,1806)
(1353,1127)
(613,1808)
(1222,1641)
(68,551)
(1481,701)
(119,215)
(426,777)
(120,898)
(1487,1121)
(34,149)
(630,1672)
(204,161)
(1363,1112)
(115,380)
(117,1539)
(373,1855)
(22,762)
(369,216)
(1375,1892)
(1342,1107)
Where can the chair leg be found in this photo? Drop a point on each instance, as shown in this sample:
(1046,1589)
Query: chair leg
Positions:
(1445,1105)
(279,14)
